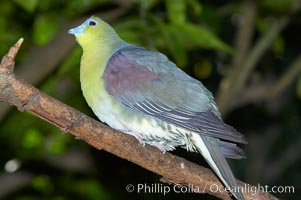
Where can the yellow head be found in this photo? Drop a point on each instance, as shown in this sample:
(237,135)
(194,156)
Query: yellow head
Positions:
(95,31)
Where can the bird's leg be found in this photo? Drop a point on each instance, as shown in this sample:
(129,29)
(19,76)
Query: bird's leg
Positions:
(142,142)
(137,136)
(139,139)
(158,145)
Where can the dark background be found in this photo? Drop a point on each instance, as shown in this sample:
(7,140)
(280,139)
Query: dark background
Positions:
(246,52)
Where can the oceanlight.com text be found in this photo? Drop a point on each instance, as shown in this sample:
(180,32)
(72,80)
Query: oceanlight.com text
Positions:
(160,188)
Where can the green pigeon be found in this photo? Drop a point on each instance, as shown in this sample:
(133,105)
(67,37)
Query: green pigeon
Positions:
(144,94)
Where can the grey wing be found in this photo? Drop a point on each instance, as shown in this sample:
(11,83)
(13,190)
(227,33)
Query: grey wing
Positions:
(148,82)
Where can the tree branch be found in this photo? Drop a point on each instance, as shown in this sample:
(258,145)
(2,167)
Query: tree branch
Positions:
(244,33)
(175,169)
(233,84)
(267,90)
(286,80)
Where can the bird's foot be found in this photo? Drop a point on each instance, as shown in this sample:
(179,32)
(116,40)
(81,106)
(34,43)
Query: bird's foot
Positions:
(141,141)
(159,146)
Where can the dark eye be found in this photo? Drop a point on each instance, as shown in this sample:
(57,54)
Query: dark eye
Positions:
(92,23)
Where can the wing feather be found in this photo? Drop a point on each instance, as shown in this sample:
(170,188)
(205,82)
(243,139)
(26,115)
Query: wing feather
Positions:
(148,82)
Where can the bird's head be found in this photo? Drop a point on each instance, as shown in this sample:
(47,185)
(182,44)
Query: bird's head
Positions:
(94,31)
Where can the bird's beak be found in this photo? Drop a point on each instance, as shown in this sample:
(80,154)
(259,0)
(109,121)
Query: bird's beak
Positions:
(72,31)
(78,30)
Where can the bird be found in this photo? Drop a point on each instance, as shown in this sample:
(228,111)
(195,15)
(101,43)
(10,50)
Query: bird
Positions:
(142,93)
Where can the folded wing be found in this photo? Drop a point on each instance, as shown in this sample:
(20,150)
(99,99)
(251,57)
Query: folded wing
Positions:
(148,82)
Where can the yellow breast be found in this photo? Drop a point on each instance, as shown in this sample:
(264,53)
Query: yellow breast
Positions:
(93,64)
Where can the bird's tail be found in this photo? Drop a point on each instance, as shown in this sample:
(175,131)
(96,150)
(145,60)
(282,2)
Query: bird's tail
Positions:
(209,147)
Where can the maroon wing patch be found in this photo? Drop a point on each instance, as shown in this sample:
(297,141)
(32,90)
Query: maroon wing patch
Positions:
(122,75)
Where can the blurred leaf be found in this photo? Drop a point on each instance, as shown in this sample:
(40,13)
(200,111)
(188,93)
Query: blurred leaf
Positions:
(176,11)
(213,18)
(196,6)
(9,26)
(56,143)
(6,9)
(42,184)
(28,5)
(172,43)
(132,37)
(178,38)
(91,189)
(32,138)
(148,4)
(45,27)
(130,30)
(191,35)
(76,7)
(278,6)
(7,38)
(45,6)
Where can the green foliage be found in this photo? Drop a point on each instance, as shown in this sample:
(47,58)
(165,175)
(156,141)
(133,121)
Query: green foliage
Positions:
(9,31)
(197,36)
(148,4)
(42,184)
(279,6)
(45,27)
(176,11)
(174,34)
(82,6)
(195,6)
(29,5)
(91,189)
(129,30)
(32,138)
(57,143)
(179,38)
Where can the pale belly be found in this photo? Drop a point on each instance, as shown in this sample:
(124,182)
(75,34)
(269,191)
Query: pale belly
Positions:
(146,128)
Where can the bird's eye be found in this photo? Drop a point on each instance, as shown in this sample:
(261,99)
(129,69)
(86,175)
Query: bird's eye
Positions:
(92,23)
